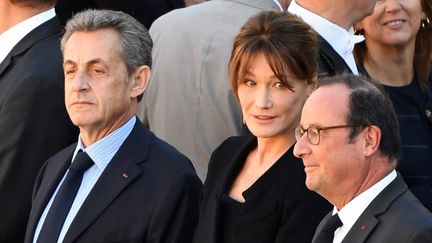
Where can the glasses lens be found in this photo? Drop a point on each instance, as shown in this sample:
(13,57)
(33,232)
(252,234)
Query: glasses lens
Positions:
(298,132)
(313,135)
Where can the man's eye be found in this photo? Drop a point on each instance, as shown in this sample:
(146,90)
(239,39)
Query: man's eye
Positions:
(98,71)
(69,71)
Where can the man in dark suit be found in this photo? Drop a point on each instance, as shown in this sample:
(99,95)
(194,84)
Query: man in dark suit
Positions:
(333,20)
(349,141)
(136,187)
(34,124)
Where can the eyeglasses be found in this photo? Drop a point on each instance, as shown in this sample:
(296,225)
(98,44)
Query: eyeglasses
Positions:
(313,132)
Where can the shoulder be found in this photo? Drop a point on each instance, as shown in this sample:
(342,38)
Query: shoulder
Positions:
(37,58)
(410,211)
(167,159)
(209,13)
(161,164)
(231,147)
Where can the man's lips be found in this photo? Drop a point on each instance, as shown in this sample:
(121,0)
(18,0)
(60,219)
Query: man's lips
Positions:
(81,102)
(310,167)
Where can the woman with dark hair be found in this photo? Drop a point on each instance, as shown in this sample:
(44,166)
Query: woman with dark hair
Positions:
(255,188)
(397,53)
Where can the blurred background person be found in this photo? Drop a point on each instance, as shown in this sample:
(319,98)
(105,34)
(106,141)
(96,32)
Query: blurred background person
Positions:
(188,102)
(145,11)
(255,190)
(33,120)
(333,21)
(397,53)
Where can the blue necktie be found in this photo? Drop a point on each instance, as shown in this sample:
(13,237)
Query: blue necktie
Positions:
(64,198)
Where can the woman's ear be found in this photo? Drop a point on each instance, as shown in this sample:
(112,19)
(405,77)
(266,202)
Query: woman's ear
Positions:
(140,80)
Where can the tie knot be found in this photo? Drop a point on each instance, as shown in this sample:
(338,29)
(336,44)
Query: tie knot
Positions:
(332,224)
(81,162)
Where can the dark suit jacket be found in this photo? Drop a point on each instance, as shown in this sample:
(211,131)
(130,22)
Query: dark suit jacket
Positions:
(156,202)
(145,11)
(278,208)
(394,216)
(330,62)
(34,124)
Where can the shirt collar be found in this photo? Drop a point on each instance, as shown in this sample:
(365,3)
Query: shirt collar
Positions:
(352,210)
(340,39)
(106,146)
(15,34)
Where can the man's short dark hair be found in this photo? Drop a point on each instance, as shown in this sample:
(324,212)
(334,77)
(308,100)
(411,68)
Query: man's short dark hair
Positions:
(370,105)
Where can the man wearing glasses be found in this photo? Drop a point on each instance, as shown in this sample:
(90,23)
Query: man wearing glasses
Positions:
(349,142)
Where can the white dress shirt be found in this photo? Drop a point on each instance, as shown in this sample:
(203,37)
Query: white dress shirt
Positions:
(340,39)
(101,152)
(12,36)
(350,213)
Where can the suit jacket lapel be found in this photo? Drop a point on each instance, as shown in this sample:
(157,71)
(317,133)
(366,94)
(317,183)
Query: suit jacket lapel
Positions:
(120,172)
(370,217)
(56,167)
(329,60)
(47,29)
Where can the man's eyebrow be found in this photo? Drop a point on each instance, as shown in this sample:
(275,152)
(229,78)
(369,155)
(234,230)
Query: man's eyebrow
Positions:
(93,61)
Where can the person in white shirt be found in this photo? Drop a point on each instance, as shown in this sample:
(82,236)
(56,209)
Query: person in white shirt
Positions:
(333,21)
(349,141)
(33,120)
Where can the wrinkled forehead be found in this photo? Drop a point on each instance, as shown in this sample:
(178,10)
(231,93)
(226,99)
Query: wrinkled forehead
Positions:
(326,106)
(84,46)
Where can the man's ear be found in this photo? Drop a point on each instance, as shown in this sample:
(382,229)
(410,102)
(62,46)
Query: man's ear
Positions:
(140,80)
(372,138)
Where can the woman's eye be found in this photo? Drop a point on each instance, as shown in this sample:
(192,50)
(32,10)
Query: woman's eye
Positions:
(279,85)
(249,83)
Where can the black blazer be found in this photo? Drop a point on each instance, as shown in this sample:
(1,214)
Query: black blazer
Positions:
(279,207)
(394,216)
(34,124)
(156,201)
(330,62)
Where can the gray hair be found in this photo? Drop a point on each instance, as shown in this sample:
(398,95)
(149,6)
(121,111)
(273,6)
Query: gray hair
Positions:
(135,41)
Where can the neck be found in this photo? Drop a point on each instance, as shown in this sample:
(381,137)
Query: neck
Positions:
(90,134)
(379,168)
(390,65)
(270,149)
(328,10)
(11,14)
